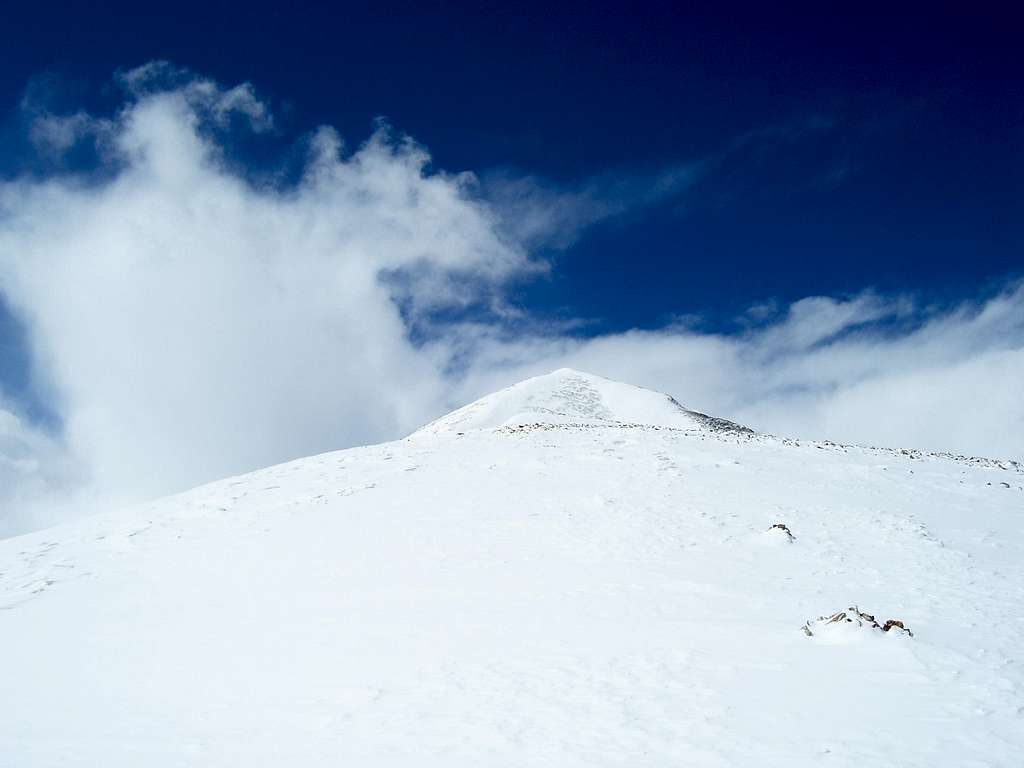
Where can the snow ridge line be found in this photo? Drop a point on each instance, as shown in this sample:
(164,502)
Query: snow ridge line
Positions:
(722,428)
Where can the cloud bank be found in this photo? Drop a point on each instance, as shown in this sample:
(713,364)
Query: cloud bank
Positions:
(187,323)
(867,369)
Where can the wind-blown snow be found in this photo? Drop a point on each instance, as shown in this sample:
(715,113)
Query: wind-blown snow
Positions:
(554,586)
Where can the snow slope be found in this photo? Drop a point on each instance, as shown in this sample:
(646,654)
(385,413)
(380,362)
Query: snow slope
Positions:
(553,586)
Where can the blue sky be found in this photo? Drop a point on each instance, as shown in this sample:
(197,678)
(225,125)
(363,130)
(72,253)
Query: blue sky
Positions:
(785,217)
(834,151)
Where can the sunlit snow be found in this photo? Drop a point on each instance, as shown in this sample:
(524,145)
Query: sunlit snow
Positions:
(570,572)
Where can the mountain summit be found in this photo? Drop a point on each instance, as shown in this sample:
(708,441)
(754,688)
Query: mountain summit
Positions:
(569,572)
(569,397)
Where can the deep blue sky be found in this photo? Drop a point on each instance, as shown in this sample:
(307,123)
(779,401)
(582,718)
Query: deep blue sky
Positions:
(872,149)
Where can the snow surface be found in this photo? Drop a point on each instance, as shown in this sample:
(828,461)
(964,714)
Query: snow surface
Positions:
(551,587)
(574,398)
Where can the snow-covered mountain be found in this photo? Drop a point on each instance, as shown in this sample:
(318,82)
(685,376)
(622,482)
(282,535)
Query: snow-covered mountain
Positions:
(570,398)
(570,572)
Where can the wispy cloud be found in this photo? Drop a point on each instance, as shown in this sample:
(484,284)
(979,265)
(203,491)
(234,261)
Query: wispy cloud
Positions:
(543,215)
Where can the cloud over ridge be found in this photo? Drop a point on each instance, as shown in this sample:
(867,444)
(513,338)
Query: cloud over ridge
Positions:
(866,369)
(186,324)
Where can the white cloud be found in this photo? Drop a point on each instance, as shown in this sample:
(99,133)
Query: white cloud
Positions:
(39,482)
(868,369)
(186,324)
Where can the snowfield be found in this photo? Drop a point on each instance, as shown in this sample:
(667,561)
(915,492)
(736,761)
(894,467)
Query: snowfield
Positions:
(570,572)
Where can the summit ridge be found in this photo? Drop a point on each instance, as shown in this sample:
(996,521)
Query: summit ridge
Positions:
(570,397)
